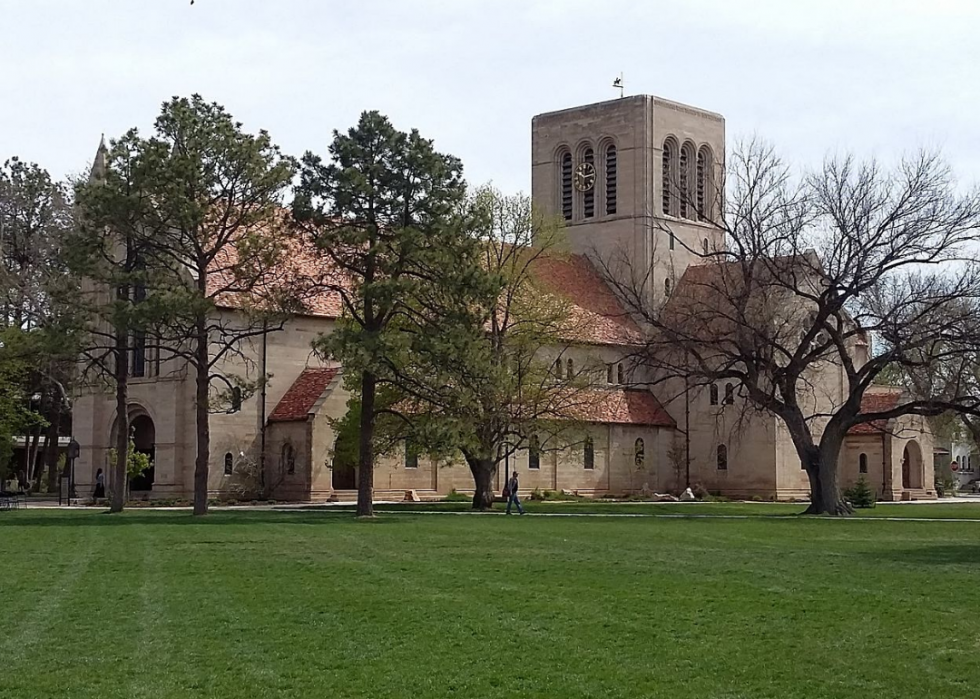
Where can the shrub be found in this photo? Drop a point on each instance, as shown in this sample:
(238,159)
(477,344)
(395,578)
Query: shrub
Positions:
(700,492)
(861,494)
(453,496)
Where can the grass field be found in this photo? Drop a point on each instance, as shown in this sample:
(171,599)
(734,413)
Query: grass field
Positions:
(314,604)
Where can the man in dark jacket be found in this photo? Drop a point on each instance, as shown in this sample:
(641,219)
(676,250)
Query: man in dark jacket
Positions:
(512,499)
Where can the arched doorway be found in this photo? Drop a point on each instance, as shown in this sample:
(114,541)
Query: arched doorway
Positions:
(912,466)
(144,439)
(344,472)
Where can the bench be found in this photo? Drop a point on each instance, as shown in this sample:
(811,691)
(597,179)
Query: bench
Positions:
(10,501)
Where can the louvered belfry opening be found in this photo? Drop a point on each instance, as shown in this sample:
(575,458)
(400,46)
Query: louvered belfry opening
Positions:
(566,185)
(610,180)
(588,200)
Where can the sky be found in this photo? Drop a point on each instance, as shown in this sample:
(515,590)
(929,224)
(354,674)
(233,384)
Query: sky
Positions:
(879,78)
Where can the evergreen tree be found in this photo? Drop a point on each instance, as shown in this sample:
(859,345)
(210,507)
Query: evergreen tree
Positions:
(385,211)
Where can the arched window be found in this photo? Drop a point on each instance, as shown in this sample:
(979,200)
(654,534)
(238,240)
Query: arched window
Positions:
(667,286)
(610,180)
(722,457)
(683,181)
(701,184)
(638,452)
(609,374)
(588,196)
(411,455)
(229,464)
(863,463)
(729,394)
(236,399)
(558,368)
(673,240)
(704,245)
(588,454)
(667,176)
(569,369)
(566,185)
(713,393)
(287,458)
(534,453)
(620,374)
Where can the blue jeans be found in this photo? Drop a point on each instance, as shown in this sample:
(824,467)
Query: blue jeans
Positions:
(514,500)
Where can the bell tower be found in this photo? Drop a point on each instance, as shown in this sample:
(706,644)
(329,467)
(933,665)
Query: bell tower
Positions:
(636,181)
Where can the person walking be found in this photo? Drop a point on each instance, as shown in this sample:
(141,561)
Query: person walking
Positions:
(99,493)
(512,499)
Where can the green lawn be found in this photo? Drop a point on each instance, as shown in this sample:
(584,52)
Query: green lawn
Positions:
(314,604)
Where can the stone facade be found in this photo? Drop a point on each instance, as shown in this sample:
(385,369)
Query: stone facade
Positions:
(629,220)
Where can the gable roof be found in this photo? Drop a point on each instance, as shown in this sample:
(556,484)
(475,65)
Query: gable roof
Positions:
(624,406)
(878,401)
(305,391)
(596,315)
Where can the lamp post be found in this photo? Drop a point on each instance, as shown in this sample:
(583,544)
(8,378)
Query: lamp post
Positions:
(73,451)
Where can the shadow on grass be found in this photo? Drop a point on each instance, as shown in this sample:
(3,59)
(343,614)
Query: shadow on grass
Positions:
(944,554)
(95,518)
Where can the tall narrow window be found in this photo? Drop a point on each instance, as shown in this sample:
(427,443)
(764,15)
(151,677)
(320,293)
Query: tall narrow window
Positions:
(566,185)
(534,453)
(713,393)
(701,191)
(287,458)
(729,394)
(411,455)
(588,454)
(672,240)
(667,286)
(610,180)
(609,374)
(722,457)
(682,181)
(704,246)
(229,464)
(236,399)
(666,201)
(863,463)
(139,355)
(558,368)
(569,369)
(588,197)
(638,452)
(619,374)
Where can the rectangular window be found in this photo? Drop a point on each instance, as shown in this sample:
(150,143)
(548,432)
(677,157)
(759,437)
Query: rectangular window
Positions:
(588,454)
(411,456)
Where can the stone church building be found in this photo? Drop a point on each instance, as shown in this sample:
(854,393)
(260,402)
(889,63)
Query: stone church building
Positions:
(602,168)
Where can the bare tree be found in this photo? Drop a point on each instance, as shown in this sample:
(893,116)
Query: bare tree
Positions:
(813,269)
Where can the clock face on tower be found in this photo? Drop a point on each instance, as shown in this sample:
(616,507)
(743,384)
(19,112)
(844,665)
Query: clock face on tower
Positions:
(585,177)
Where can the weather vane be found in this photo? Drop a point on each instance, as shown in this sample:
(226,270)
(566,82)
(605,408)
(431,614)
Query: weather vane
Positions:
(618,82)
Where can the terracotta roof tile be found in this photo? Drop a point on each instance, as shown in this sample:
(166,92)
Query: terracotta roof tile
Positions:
(300,398)
(626,407)
(597,317)
(876,402)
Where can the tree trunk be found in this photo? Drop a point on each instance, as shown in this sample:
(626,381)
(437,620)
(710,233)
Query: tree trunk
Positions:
(483,471)
(202,383)
(365,466)
(821,468)
(117,478)
(51,451)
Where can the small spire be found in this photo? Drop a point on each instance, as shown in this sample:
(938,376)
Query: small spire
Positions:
(99,165)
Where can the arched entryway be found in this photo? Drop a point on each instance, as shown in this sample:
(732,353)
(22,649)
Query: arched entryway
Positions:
(912,466)
(344,471)
(144,439)
(142,431)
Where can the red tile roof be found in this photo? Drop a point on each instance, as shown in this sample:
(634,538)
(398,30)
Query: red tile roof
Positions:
(596,315)
(626,407)
(877,402)
(300,398)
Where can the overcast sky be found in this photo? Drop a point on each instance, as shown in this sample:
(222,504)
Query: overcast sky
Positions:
(878,77)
